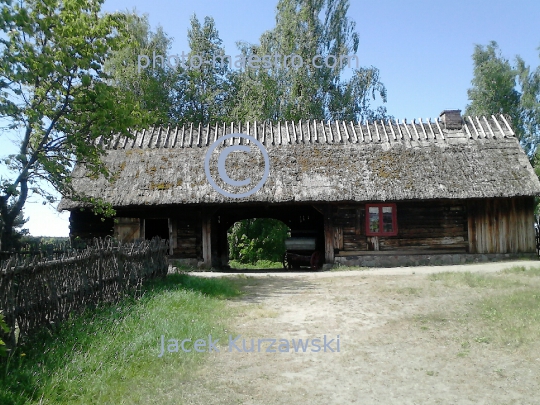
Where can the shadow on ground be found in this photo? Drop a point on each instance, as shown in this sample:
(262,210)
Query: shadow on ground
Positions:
(259,289)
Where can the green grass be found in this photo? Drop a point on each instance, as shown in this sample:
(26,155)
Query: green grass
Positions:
(261,264)
(342,267)
(507,312)
(511,319)
(521,270)
(182,268)
(110,355)
(474,280)
(409,291)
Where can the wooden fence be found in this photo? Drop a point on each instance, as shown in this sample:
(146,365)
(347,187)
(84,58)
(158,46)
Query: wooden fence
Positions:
(36,292)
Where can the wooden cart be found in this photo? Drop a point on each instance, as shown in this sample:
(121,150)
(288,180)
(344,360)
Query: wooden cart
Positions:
(302,251)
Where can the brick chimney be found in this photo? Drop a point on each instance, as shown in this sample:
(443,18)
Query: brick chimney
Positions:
(451,119)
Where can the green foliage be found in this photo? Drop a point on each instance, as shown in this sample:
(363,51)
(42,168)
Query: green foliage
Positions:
(201,92)
(4,328)
(500,87)
(251,240)
(306,29)
(19,233)
(494,85)
(150,86)
(47,245)
(211,92)
(55,94)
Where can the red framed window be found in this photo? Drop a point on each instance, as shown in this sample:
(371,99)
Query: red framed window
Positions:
(381,220)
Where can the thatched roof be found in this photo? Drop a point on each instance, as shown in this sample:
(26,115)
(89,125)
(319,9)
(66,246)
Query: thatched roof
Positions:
(314,161)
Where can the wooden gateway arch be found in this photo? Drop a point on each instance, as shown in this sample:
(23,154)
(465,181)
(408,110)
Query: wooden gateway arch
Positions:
(452,190)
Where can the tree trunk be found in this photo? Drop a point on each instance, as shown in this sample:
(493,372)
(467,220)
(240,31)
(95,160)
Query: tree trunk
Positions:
(7,242)
(9,213)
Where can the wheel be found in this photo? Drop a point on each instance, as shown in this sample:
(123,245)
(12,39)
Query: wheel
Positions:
(315,261)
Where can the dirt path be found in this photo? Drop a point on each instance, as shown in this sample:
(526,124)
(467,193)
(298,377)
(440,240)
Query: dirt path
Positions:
(393,348)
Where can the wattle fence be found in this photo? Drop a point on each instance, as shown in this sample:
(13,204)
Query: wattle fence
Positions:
(35,292)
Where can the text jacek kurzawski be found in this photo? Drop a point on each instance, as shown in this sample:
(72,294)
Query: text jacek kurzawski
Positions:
(241,345)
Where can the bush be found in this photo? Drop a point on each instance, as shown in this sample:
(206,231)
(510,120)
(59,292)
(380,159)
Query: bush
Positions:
(257,239)
(5,329)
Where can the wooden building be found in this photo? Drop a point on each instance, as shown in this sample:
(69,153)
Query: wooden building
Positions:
(451,190)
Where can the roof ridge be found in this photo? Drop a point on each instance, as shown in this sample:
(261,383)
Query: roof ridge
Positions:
(314,132)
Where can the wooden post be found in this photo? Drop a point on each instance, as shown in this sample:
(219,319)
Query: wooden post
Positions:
(141,231)
(214,241)
(172,235)
(207,240)
(328,236)
(471,235)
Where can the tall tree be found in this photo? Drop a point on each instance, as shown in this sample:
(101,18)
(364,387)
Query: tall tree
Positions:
(202,86)
(304,88)
(18,231)
(500,87)
(493,88)
(529,82)
(54,95)
(140,66)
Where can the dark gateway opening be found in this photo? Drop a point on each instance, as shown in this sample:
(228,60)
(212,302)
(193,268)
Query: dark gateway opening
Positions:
(156,227)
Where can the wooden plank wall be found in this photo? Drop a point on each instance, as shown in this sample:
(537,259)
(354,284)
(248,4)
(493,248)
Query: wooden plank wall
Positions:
(422,226)
(329,235)
(127,229)
(349,224)
(188,237)
(434,225)
(504,225)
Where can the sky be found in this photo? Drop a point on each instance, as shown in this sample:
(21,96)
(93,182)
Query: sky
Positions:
(422,48)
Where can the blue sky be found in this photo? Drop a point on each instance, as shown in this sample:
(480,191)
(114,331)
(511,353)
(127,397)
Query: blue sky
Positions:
(422,48)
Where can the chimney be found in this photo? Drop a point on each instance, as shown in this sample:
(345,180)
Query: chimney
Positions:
(451,119)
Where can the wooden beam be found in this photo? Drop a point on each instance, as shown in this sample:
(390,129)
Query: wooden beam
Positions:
(172,235)
(142,232)
(207,240)
(328,236)
(471,225)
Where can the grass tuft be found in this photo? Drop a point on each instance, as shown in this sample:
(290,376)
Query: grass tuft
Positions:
(507,310)
(474,280)
(521,270)
(260,265)
(512,319)
(110,355)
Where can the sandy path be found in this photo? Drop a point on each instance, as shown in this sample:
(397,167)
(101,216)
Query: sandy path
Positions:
(386,355)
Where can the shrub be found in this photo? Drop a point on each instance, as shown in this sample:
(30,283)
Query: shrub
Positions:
(5,329)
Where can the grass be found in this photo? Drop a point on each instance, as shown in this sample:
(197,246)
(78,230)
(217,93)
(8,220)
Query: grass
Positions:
(507,312)
(512,319)
(521,270)
(261,264)
(182,268)
(110,355)
(342,267)
(474,280)
(416,291)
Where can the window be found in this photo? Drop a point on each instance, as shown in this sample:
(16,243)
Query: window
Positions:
(381,220)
